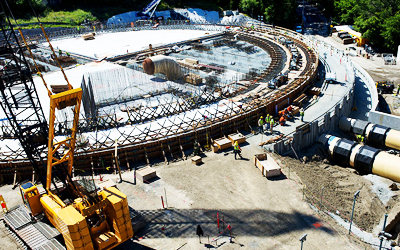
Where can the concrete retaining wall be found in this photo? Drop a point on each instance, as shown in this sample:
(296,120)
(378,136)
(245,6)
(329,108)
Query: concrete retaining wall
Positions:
(388,120)
(307,134)
(370,84)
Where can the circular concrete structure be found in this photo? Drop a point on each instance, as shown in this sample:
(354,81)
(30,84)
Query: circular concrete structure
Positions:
(169,138)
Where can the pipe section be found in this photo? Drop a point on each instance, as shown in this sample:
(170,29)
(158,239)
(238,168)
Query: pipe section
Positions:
(364,159)
(162,64)
(373,133)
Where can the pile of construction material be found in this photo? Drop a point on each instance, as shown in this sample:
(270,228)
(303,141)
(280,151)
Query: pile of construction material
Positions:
(190,63)
(193,79)
(89,36)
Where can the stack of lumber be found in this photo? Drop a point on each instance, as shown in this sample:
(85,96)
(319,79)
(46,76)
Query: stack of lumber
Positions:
(314,91)
(193,79)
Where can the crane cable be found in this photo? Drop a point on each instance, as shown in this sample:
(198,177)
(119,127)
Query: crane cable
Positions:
(27,46)
(51,47)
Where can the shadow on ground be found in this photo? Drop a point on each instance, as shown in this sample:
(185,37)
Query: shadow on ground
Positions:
(260,223)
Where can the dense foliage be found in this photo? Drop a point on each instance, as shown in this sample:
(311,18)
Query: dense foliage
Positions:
(378,20)
(278,12)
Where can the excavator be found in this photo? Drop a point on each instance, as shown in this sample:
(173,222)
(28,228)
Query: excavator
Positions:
(85,217)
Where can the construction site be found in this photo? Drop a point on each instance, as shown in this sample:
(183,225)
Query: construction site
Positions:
(159,136)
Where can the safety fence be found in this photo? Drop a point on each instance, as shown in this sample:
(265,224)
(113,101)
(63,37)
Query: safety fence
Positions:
(168,140)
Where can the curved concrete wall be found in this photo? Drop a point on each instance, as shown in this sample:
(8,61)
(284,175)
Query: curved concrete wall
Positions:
(151,146)
(367,79)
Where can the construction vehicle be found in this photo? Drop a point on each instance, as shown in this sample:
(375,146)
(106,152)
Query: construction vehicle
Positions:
(85,217)
(384,87)
(278,81)
(148,11)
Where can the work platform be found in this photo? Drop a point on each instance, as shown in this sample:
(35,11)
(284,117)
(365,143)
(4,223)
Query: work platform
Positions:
(35,234)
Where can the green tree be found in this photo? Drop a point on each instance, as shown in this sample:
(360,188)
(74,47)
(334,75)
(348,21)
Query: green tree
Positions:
(280,12)
(22,8)
(250,6)
(377,20)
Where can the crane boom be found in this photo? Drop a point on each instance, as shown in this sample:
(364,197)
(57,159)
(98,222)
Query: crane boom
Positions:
(19,96)
(150,8)
(152,5)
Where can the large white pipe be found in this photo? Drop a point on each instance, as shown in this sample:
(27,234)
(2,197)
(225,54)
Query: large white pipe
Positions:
(364,159)
(162,64)
(373,133)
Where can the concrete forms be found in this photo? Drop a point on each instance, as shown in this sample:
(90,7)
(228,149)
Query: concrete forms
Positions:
(267,165)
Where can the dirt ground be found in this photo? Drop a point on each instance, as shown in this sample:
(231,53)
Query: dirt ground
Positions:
(339,186)
(262,213)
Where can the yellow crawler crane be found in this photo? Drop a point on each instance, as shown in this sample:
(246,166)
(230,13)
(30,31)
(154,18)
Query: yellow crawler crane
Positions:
(86,218)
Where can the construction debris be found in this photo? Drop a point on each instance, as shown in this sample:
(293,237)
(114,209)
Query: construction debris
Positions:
(274,139)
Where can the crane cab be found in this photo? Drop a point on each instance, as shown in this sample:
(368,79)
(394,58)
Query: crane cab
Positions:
(31,197)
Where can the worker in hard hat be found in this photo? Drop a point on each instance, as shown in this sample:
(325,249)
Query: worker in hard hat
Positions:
(360,139)
(261,124)
(398,89)
(282,120)
(237,150)
(196,148)
(302,114)
(289,112)
(272,122)
(267,121)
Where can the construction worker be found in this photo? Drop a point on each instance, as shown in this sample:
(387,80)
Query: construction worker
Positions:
(67,53)
(271,124)
(196,148)
(289,111)
(237,150)
(360,139)
(398,89)
(282,120)
(267,120)
(302,114)
(59,52)
(261,124)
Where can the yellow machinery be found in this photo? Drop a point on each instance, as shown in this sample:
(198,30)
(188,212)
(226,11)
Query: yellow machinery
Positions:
(87,218)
